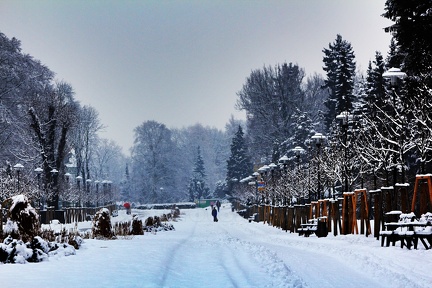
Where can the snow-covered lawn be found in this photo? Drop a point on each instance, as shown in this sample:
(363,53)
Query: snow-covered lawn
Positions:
(229,253)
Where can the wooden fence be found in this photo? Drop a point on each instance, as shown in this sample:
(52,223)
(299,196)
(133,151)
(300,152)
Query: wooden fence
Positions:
(71,215)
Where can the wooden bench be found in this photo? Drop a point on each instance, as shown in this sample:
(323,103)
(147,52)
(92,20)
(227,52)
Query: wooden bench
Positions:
(308,228)
(254,218)
(423,231)
(408,230)
(397,231)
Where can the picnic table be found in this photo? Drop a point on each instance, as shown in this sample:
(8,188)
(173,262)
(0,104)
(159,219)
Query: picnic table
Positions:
(409,230)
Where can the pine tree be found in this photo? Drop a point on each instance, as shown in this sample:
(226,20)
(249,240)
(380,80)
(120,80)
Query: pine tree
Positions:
(239,164)
(197,186)
(340,68)
(412,33)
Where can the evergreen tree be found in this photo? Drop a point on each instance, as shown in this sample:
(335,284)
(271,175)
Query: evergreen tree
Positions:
(239,165)
(197,186)
(394,57)
(340,68)
(412,33)
(375,86)
(413,44)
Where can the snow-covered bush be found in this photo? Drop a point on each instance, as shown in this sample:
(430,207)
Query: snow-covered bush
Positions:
(153,224)
(137,226)
(102,224)
(37,250)
(22,218)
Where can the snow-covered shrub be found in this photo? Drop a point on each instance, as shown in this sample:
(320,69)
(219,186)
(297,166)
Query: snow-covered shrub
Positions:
(37,250)
(61,249)
(14,251)
(175,212)
(11,229)
(137,226)
(102,224)
(166,227)
(40,249)
(122,228)
(24,215)
(153,224)
(149,221)
(75,241)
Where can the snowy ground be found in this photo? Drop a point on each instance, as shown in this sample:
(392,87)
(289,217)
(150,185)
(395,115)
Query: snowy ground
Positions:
(229,253)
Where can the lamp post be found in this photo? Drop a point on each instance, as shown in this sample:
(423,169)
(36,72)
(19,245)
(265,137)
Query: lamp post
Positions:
(263,173)
(345,117)
(318,138)
(105,188)
(88,183)
(67,176)
(79,179)
(395,74)
(298,151)
(255,175)
(284,161)
(18,167)
(54,173)
(272,167)
(97,192)
(38,172)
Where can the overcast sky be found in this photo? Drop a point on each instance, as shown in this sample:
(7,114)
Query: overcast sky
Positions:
(182,62)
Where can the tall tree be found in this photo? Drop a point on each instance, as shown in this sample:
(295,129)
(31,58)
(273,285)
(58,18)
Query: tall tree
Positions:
(22,82)
(85,139)
(271,98)
(51,123)
(340,68)
(413,23)
(413,44)
(152,156)
(197,185)
(239,165)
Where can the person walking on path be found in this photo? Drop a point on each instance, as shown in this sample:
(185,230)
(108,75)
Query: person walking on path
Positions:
(214,214)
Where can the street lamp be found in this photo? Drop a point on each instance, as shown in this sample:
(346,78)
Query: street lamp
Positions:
(67,176)
(318,138)
(88,182)
(97,192)
(255,175)
(345,117)
(298,151)
(272,167)
(395,74)
(38,172)
(284,161)
(18,167)
(54,173)
(79,179)
(263,173)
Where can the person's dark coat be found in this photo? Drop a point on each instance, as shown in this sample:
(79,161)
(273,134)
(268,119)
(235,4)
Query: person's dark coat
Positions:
(214,214)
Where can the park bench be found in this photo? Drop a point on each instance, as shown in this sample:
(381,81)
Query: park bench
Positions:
(423,231)
(393,229)
(308,228)
(254,217)
(408,230)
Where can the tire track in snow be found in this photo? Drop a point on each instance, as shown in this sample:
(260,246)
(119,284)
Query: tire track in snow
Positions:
(281,275)
(169,262)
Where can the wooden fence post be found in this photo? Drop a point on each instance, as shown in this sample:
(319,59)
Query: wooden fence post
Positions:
(377,206)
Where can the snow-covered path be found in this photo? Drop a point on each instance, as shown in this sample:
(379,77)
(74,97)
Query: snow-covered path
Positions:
(229,253)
